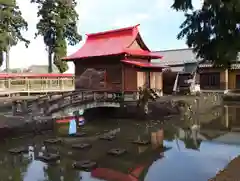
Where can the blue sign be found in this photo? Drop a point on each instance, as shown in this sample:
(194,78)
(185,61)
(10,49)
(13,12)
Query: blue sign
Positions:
(72,127)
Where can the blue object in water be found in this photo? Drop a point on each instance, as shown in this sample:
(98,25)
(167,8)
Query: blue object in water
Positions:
(72,127)
(81,121)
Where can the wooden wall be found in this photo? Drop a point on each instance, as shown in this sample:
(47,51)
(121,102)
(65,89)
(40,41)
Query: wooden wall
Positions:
(110,65)
(130,78)
(232,78)
(141,79)
(159,80)
(228,77)
(156,81)
(223,77)
(135,78)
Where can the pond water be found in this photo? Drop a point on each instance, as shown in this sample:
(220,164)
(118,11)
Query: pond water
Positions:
(195,153)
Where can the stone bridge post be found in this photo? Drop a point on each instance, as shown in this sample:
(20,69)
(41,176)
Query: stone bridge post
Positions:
(18,107)
(94,96)
(46,106)
(226,81)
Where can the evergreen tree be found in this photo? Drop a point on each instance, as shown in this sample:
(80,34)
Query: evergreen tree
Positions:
(58,26)
(8,2)
(11,25)
(213,31)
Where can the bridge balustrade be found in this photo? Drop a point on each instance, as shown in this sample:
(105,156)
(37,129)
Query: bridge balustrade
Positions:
(50,104)
(34,84)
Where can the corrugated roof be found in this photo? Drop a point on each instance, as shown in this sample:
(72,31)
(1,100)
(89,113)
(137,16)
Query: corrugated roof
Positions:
(112,42)
(177,57)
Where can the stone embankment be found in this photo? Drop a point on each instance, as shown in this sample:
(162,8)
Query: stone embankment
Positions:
(6,102)
(230,173)
(14,126)
(165,106)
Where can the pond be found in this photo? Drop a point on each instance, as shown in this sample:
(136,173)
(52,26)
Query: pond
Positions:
(177,151)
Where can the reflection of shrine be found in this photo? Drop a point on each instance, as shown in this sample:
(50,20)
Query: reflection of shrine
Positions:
(142,149)
(231,117)
(191,143)
(191,138)
(12,166)
(135,163)
(228,120)
(135,168)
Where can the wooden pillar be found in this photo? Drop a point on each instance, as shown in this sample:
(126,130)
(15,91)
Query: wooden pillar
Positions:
(226,81)
(9,82)
(161,81)
(175,86)
(148,79)
(226,114)
(123,77)
(152,80)
(27,84)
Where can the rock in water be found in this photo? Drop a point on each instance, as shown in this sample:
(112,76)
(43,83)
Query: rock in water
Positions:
(86,165)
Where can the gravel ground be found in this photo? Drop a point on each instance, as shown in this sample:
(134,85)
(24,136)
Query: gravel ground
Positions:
(230,173)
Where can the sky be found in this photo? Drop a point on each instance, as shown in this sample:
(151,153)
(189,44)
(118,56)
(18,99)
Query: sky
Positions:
(159,26)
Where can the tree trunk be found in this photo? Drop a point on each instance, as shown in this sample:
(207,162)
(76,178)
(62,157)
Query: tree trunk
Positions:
(146,108)
(50,67)
(7,59)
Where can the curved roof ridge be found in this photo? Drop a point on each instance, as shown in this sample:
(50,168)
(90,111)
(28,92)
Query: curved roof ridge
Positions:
(113,31)
(113,42)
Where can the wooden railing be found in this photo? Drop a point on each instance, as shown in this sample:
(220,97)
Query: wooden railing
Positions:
(35,85)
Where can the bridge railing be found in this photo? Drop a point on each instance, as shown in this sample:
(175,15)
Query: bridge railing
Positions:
(36,84)
(51,103)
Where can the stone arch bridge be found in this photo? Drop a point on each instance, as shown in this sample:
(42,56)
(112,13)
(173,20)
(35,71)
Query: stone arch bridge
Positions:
(60,105)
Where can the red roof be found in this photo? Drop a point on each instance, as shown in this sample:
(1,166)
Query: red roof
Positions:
(109,174)
(15,75)
(114,42)
(143,64)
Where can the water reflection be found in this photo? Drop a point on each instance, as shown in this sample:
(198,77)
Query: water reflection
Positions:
(232,114)
(186,147)
(157,139)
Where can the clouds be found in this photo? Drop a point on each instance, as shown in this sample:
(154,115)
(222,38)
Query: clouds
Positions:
(20,56)
(159,25)
(108,14)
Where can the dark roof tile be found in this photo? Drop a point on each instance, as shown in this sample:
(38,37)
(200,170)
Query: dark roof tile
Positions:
(177,57)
